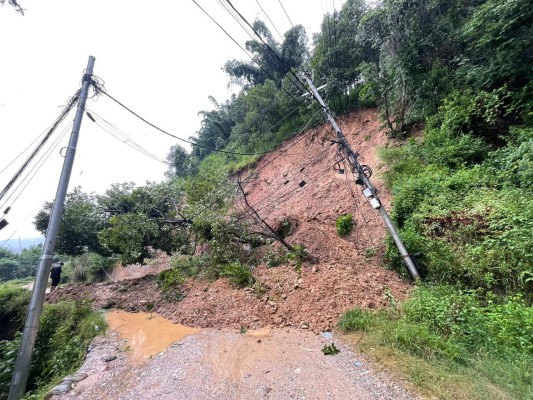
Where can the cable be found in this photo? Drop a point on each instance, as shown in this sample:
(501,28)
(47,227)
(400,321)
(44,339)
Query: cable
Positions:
(63,115)
(256,62)
(23,151)
(263,166)
(36,167)
(287,15)
(117,134)
(289,71)
(174,136)
(272,23)
(318,157)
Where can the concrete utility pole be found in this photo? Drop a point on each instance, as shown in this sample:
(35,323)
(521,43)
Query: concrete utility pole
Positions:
(369,190)
(35,308)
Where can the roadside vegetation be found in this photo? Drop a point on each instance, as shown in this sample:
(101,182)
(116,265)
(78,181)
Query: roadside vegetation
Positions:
(65,331)
(452,84)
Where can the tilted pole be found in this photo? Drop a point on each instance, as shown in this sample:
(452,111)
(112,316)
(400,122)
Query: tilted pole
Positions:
(369,191)
(35,308)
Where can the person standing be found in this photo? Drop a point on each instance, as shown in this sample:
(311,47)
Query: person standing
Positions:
(55,275)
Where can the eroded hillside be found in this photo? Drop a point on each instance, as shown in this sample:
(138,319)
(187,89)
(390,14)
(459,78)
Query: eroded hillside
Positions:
(302,183)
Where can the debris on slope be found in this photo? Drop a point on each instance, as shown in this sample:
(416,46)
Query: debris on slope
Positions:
(345,273)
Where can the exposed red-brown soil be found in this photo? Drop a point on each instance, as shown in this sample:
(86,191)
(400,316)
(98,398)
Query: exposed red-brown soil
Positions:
(345,273)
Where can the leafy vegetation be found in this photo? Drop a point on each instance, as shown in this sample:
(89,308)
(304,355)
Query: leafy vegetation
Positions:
(453,87)
(169,282)
(451,332)
(16,266)
(65,331)
(239,275)
(330,349)
(344,225)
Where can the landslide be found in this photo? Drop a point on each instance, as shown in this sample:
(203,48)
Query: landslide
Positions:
(300,183)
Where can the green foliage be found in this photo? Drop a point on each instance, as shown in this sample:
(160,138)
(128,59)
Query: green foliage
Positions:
(460,332)
(297,255)
(285,228)
(189,266)
(8,356)
(65,331)
(240,275)
(355,320)
(180,163)
(170,283)
(16,266)
(13,306)
(81,220)
(330,349)
(274,258)
(88,267)
(344,225)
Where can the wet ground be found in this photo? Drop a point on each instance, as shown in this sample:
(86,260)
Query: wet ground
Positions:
(147,357)
(146,334)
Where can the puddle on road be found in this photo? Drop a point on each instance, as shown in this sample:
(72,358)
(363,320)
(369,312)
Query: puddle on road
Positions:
(146,334)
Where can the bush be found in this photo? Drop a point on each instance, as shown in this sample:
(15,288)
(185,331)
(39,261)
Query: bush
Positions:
(88,267)
(344,224)
(189,266)
(239,275)
(274,258)
(169,282)
(65,331)
(13,306)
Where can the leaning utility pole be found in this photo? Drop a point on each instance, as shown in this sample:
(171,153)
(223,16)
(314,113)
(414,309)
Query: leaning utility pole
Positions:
(35,308)
(369,190)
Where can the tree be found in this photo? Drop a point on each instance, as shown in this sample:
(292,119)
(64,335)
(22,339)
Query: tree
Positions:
(271,60)
(180,163)
(143,219)
(499,44)
(79,226)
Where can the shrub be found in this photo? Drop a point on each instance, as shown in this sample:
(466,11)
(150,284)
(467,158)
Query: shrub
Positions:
(189,266)
(169,282)
(65,331)
(297,256)
(13,305)
(239,274)
(274,258)
(344,224)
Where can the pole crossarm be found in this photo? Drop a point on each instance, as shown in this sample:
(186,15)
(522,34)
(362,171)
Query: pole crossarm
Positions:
(369,191)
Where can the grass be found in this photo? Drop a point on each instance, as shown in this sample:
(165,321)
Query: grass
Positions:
(450,343)
(433,366)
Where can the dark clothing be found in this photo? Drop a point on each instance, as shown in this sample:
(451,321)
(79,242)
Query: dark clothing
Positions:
(55,274)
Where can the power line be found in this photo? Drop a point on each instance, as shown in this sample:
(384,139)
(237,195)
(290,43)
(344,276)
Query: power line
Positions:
(120,135)
(37,167)
(243,49)
(287,15)
(63,115)
(271,23)
(289,71)
(174,136)
(23,151)
(280,148)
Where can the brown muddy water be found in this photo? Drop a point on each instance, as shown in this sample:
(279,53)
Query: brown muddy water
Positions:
(147,334)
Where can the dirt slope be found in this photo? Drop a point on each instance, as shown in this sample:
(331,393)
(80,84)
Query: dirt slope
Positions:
(346,272)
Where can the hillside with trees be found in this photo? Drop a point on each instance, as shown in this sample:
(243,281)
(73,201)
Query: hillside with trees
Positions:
(449,84)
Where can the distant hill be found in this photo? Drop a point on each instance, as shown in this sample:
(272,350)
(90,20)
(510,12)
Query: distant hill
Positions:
(15,246)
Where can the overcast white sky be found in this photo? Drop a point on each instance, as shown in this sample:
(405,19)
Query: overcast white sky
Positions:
(163,59)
